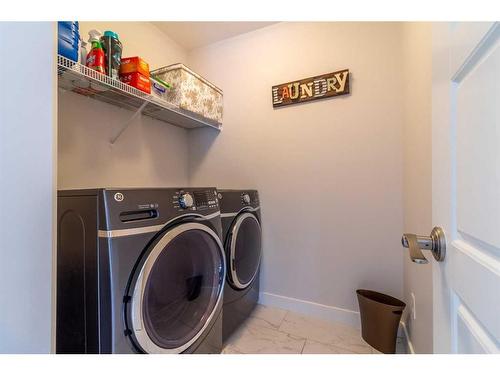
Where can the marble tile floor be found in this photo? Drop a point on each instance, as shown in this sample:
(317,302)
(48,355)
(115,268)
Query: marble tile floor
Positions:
(274,331)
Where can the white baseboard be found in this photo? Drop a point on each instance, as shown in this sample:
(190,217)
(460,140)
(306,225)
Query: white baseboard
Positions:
(406,336)
(325,312)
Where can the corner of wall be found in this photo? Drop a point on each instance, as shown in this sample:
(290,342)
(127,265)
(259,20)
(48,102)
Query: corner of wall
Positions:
(417,179)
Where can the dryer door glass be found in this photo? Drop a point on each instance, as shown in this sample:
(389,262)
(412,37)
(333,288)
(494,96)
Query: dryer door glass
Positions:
(184,276)
(245,250)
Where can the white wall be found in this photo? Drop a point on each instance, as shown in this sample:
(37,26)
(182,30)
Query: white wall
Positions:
(417,185)
(149,152)
(27,188)
(329,172)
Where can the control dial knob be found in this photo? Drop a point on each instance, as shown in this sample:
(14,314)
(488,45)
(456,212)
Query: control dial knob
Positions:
(186,200)
(246,198)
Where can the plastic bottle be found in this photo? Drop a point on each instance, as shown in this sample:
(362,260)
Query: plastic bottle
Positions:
(83,52)
(113,52)
(96,57)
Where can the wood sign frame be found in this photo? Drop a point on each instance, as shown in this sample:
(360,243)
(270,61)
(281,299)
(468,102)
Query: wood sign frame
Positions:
(312,88)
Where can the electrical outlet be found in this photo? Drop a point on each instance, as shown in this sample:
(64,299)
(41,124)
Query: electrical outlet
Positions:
(413,306)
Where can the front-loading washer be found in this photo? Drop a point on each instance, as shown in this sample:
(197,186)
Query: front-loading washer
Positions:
(241,228)
(139,271)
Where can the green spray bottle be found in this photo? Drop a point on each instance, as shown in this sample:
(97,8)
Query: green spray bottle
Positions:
(96,58)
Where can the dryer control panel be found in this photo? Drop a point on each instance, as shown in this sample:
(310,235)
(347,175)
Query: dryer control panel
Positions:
(231,201)
(249,198)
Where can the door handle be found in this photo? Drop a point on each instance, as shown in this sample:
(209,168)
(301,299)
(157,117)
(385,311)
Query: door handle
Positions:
(436,243)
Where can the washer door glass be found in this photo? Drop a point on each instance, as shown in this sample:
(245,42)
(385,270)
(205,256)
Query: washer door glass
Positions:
(178,289)
(245,250)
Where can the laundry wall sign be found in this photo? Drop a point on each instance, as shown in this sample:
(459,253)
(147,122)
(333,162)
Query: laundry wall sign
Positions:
(313,88)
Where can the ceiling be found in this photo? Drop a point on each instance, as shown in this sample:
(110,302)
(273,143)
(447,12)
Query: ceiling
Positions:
(192,35)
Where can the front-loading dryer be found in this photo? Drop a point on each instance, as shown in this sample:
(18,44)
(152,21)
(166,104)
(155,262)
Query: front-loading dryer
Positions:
(139,271)
(241,228)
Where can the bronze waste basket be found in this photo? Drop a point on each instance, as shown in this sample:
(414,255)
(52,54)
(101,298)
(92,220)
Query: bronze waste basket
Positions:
(380,316)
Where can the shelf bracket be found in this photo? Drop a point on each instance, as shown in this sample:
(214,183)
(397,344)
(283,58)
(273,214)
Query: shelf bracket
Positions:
(128,122)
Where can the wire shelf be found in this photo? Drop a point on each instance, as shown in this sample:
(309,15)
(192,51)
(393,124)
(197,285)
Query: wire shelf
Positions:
(82,80)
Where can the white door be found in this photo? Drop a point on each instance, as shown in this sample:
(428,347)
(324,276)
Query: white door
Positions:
(466,186)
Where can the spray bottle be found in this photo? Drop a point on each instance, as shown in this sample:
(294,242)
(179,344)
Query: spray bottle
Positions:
(96,58)
(83,52)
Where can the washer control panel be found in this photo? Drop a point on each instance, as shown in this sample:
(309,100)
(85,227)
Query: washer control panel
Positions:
(186,200)
(195,200)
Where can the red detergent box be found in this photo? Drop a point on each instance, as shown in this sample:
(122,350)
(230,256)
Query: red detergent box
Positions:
(138,81)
